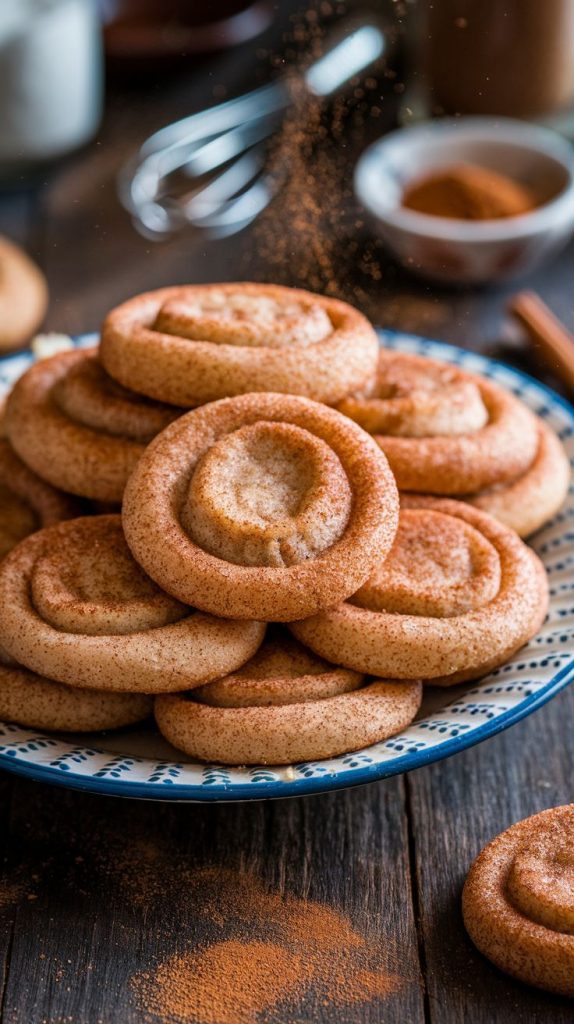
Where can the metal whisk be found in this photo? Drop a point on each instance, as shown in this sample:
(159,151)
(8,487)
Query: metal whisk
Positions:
(220,152)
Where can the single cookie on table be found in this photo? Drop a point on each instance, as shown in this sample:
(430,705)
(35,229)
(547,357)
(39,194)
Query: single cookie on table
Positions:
(77,428)
(197,343)
(76,608)
(518,900)
(458,594)
(27,503)
(443,430)
(284,706)
(533,498)
(35,702)
(261,506)
(23,296)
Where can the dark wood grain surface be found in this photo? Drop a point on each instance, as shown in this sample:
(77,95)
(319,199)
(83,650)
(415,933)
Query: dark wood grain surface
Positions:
(96,891)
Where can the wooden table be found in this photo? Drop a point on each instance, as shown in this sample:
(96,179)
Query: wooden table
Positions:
(81,910)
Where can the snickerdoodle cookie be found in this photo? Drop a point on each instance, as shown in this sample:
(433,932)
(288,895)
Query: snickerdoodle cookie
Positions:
(26,502)
(458,594)
(38,703)
(530,500)
(198,343)
(77,428)
(443,430)
(518,900)
(261,506)
(286,705)
(75,607)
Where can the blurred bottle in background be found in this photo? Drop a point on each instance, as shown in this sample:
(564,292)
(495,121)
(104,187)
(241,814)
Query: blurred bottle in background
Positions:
(51,81)
(486,57)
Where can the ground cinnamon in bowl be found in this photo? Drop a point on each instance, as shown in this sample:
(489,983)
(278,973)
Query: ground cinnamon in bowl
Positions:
(468,192)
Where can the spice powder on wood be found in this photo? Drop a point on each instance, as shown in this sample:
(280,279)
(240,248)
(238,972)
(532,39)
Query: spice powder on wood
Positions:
(283,954)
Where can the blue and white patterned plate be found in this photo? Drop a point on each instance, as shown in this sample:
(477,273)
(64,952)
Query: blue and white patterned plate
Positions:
(139,764)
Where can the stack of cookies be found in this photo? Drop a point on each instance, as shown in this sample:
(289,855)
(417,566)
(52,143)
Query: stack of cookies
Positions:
(206,522)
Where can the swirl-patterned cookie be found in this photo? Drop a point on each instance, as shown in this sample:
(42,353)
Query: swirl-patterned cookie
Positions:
(27,503)
(533,498)
(261,506)
(457,596)
(444,431)
(198,343)
(284,706)
(38,703)
(77,428)
(518,900)
(75,607)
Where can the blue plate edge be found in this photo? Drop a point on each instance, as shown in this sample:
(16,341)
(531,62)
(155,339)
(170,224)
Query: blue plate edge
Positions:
(189,793)
(300,787)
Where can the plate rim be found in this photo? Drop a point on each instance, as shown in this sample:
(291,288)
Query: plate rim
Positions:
(250,791)
(223,792)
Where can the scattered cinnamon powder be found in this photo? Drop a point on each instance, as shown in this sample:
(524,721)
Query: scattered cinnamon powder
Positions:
(467,192)
(11,892)
(227,983)
(18,885)
(273,951)
(311,235)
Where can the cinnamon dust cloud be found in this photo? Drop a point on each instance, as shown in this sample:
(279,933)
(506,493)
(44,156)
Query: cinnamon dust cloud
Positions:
(313,235)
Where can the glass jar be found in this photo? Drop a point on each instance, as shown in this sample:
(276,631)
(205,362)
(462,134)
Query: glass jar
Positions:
(51,80)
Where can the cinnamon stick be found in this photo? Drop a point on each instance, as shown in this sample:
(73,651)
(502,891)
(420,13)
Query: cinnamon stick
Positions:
(553,342)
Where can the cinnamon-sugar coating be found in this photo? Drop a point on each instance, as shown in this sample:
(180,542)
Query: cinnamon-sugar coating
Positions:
(286,705)
(518,900)
(39,703)
(443,430)
(75,607)
(26,502)
(307,731)
(281,672)
(77,428)
(261,506)
(457,596)
(197,343)
(533,498)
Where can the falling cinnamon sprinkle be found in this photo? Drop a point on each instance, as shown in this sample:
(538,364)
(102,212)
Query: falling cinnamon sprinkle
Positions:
(311,235)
